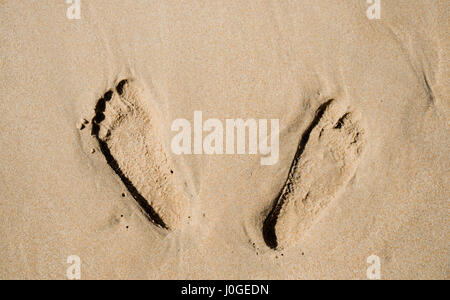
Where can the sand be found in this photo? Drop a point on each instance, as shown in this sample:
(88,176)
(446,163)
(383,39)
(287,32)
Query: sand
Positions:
(363,165)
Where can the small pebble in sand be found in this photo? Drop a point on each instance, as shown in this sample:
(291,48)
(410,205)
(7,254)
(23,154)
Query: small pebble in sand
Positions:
(82,124)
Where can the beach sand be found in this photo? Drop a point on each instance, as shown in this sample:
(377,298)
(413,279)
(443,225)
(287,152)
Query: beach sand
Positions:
(375,181)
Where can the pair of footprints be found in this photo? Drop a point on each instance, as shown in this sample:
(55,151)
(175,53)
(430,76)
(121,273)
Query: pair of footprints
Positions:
(127,128)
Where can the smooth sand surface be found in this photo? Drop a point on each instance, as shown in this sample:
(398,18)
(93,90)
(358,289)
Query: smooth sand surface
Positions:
(229,59)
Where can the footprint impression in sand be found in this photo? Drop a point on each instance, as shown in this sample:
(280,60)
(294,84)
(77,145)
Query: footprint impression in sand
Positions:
(127,128)
(326,160)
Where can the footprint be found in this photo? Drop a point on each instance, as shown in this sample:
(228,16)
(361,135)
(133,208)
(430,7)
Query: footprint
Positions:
(127,128)
(326,160)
